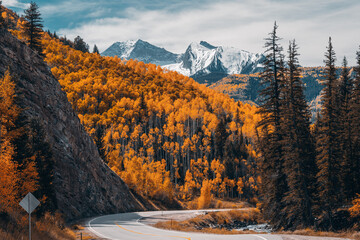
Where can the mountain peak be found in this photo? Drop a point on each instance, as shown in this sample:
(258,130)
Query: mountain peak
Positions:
(200,59)
(142,51)
(207,45)
(207,63)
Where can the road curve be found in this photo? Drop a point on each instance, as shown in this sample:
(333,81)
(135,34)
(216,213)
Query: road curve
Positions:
(126,226)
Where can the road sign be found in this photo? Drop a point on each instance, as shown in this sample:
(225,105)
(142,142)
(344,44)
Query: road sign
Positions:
(29,203)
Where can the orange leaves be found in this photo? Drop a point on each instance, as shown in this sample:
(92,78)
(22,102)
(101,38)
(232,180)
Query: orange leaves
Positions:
(204,200)
(8,175)
(141,114)
(355,209)
(147,177)
(15,180)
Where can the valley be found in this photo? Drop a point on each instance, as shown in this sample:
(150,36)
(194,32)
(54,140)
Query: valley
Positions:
(118,136)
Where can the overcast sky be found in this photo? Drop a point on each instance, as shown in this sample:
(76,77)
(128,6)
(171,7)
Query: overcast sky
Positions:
(174,24)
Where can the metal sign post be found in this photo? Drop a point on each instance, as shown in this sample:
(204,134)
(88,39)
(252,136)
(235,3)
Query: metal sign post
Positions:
(29,203)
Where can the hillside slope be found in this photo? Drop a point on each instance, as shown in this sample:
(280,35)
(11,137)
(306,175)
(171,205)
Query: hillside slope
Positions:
(156,128)
(246,87)
(84,184)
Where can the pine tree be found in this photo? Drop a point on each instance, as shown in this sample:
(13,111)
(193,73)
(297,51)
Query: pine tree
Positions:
(274,179)
(345,132)
(327,145)
(96,50)
(33,27)
(298,150)
(2,20)
(355,126)
(81,45)
(44,162)
(220,137)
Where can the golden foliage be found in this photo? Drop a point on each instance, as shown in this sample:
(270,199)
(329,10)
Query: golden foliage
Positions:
(140,114)
(355,209)
(204,200)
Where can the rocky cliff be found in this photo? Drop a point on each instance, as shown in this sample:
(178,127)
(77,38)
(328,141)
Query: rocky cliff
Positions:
(85,186)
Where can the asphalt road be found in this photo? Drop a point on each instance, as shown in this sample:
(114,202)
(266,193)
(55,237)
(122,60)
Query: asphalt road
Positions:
(126,226)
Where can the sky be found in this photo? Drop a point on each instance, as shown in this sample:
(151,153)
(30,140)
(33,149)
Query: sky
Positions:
(174,24)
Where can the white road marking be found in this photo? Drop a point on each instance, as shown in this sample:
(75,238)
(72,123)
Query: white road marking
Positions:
(94,231)
(260,237)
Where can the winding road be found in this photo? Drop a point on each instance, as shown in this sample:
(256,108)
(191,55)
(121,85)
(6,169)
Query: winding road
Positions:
(127,226)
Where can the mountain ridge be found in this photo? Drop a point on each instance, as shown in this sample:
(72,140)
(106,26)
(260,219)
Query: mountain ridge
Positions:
(142,51)
(202,61)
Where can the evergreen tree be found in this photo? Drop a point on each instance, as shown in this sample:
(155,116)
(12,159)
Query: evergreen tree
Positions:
(345,132)
(298,150)
(327,145)
(67,42)
(220,138)
(33,27)
(96,50)
(273,177)
(81,45)
(355,126)
(42,155)
(2,20)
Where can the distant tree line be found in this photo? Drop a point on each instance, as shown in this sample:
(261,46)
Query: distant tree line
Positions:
(31,30)
(309,172)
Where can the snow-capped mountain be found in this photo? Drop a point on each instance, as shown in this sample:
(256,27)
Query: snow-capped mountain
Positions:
(142,51)
(201,59)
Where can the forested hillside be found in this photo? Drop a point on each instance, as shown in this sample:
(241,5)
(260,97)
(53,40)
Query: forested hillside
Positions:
(162,132)
(246,87)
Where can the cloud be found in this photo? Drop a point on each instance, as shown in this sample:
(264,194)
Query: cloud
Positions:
(233,23)
(15,3)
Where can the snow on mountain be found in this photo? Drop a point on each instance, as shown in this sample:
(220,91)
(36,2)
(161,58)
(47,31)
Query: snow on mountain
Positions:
(142,51)
(120,49)
(204,61)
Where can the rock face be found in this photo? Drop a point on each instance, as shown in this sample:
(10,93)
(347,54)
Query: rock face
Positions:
(85,186)
(142,51)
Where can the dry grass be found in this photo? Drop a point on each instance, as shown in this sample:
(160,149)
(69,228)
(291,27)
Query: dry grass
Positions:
(79,229)
(15,227)
(217,204)
(202,223)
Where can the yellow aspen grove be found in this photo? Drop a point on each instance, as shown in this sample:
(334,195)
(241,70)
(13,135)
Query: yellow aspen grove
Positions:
(240,186)
(204,200)
(139,114)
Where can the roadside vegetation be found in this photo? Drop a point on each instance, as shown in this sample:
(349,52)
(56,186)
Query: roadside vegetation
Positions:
(15,226)
(223,222)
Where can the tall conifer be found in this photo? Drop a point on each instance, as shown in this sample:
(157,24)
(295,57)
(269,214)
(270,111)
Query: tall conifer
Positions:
(81,45)
(355,126)
(298,150)
(33,27)
(273,177)
(345,132)
(96,49)
(327,145)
